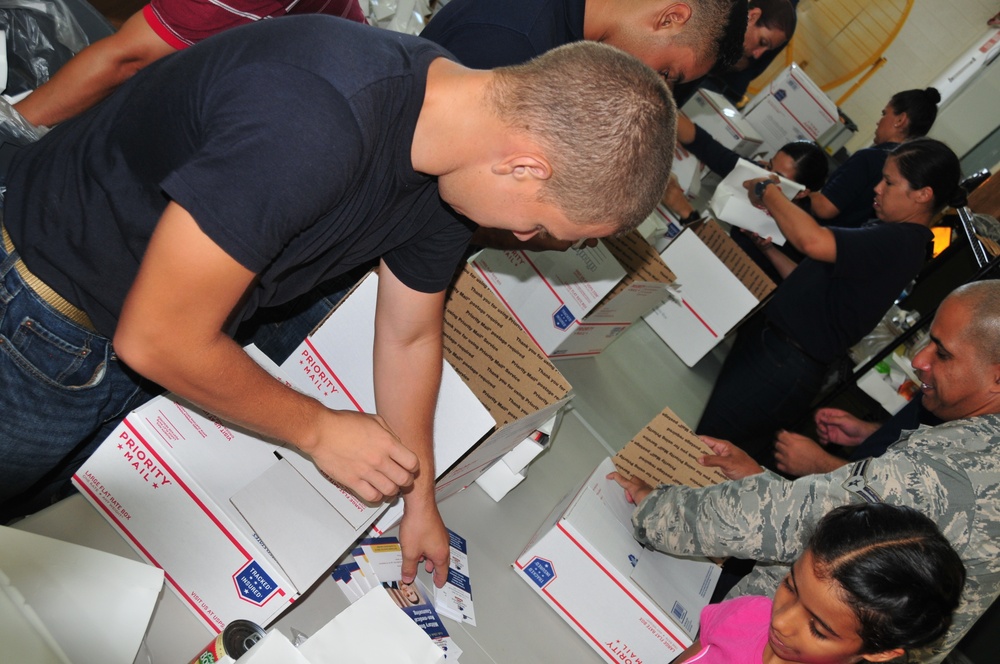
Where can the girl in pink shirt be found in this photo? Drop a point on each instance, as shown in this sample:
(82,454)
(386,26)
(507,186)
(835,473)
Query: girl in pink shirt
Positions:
(875,582)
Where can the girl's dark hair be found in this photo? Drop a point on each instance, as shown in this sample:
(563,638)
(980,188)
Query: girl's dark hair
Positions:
(920,107)
(811,164)
(776,15)
(897,571)
(926,162)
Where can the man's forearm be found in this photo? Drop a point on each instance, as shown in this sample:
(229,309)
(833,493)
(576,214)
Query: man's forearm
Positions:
(407,380)
(761,517)
(93,74)
(799,227)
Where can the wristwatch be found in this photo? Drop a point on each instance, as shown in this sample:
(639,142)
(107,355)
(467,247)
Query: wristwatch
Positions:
(758,189)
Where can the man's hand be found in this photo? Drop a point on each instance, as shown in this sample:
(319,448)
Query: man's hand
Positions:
(762,243)
(362,453)
(841,428)
(423,536)
(636,490)
(730,459)
(799,455)
(675,199)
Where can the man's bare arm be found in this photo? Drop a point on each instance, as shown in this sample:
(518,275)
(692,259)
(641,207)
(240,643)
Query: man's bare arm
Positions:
(408,357)
(94,73)
(170,331)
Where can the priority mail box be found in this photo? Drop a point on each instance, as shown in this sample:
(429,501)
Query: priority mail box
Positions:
(629,603)
(718,285)
(499,363)
(508,373)
(724,122)
(575,303)
(511,469)
(242,525)
(660,228)
(791,108)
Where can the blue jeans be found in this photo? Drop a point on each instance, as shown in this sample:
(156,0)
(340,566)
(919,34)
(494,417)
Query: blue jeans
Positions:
(62,390)
(766,384)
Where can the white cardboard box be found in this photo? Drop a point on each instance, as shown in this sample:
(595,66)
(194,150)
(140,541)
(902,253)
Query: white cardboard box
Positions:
(718,285)
(627,602)
(791,108)
(575,303)
(506,371)
(583,562)
(724,122)
(660,227)
(241,525)
(345,341)
(509,374)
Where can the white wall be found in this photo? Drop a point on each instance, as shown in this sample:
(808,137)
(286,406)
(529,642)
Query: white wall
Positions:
(936,33)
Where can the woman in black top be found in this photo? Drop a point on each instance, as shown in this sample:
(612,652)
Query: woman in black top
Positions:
(828,302)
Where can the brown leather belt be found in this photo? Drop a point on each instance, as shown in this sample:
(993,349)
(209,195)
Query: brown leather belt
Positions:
(52,298)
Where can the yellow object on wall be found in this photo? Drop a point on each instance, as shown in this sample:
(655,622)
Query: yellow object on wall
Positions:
(838,40)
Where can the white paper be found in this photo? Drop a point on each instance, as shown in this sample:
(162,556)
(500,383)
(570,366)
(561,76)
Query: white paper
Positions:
(371,631)
(24,636)
(274,648)
(96,605)
(731,202)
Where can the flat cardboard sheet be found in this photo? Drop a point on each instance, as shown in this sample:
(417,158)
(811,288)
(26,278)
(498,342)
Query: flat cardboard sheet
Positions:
(264,503)
(666,452)
(710,300)
(733,257)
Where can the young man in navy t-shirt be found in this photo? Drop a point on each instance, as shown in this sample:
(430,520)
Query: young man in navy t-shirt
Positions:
(245,170)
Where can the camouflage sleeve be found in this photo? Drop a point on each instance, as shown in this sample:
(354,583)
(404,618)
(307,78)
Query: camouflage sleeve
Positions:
(949,490)
(764,517)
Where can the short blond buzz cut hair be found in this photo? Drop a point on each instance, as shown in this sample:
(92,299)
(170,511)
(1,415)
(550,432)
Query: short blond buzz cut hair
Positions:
(606,122)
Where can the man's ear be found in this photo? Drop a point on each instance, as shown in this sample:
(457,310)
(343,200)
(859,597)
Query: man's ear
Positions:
(886,656)
(994,374)
(753,16)
(524,166)
(673,15)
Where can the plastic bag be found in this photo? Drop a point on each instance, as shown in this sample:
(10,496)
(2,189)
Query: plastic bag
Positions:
(15,129)
(409,16)
(42,35)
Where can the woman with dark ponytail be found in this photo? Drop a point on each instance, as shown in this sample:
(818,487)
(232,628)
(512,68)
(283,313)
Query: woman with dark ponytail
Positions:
(843,201)
(875,583)
(831,299)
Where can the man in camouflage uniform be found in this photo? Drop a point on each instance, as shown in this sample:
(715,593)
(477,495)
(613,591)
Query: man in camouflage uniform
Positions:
(950,472)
